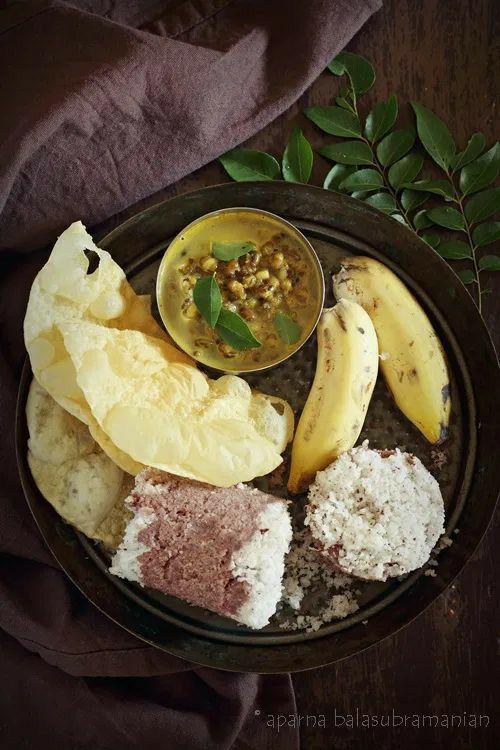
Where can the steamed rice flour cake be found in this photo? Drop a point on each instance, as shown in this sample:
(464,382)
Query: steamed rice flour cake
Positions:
(222,549)
(71,471)
(375,514)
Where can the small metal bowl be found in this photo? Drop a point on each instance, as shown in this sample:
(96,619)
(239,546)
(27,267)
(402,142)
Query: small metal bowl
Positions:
(163,298)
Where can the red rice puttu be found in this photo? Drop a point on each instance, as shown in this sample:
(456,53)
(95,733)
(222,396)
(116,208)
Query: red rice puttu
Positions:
(219,548)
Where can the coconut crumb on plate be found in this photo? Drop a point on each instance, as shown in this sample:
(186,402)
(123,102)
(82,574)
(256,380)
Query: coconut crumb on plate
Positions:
(444,542)
(305,576)
(439,459)
(277,478)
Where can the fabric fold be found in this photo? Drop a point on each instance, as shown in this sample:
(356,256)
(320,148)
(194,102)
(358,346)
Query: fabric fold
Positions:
(98,114)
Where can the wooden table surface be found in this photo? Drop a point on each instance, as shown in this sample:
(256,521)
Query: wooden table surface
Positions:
(445,54)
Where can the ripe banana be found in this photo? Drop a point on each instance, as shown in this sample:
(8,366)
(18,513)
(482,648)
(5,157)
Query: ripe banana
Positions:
(415,367)
(346,371)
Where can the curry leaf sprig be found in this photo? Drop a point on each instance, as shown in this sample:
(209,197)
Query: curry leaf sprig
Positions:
(468,175)
(382,164)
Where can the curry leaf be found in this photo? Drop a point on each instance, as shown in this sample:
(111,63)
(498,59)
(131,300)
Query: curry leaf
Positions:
(336,175)
(343,99)
(483,205)
(481,172)
(421,220)
(473,149)
(446,216)
(490,263)
(348,152)
(335,121)
(400,218)
(485,234)
(363,179)
(345,104)
(455,250)
(381,119)
(230,250)
(434,135)
(395,145)
(467,277)
(247,164)
(405,170)
(208,299)
(412,199)
(288,330)
(298,158)
(432,239)
(359,70)
(438,187)
(234,331)
(382,201)
(336,67)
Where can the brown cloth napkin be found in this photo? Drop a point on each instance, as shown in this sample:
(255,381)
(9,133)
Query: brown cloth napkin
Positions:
(102,104)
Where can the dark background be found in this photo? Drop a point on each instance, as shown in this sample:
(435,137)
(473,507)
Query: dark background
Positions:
(445,54)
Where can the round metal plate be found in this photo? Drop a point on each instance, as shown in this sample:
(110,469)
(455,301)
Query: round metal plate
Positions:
(336,226)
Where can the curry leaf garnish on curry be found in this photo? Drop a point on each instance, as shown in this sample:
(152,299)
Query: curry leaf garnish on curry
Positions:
(208,300)
(230,326)
(287,328)
(231,250)
(235,332)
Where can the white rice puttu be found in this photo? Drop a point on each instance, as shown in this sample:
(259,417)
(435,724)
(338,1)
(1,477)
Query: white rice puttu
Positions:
(375,514)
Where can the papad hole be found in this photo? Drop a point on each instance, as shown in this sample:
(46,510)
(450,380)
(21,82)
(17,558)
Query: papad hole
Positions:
(93,260)
(279,407)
